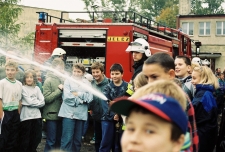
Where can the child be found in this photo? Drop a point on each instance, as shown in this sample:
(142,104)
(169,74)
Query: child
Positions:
(30,116)
(10,101)
(116,88)
(160,66)
(151,125)
(205,107)
(74,109)
(139,81)
(99,83)
(182,71)
(52,91)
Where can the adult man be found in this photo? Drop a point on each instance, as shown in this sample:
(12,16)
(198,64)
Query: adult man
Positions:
(57,53)
(140,52)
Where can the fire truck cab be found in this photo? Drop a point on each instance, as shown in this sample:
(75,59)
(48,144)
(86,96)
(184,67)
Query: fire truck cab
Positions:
(106,40)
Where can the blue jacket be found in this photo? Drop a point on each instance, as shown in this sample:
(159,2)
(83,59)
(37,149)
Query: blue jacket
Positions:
(111,92)
(205,107)
(75,107)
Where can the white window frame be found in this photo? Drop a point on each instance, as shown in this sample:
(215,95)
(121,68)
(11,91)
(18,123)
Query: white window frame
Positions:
(222,28)
(189,28)
(205,28)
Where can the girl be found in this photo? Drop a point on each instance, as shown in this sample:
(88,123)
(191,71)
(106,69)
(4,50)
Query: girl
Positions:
(139,81)
(74,109)
(205,107)
(30,116)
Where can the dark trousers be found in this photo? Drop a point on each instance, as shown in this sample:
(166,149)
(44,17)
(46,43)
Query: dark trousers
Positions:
(29,135)
(9,131)
(98,134)
(54,133)
(108,131)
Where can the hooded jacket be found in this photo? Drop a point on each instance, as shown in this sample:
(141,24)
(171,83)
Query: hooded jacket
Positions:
(206,116)
(96,104)
(53,96)
(188,87)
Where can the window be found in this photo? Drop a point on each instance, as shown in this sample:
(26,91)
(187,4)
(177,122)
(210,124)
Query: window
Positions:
(187,27)
(220,28)
(204,28)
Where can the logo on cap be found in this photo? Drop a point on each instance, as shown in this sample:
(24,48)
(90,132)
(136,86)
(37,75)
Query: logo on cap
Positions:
(155,97)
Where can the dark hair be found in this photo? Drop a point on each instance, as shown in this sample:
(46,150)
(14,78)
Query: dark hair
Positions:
(186,59)
(116,67)
(30,71)
(176,132)
(98,65)
(79,66)
(163,59)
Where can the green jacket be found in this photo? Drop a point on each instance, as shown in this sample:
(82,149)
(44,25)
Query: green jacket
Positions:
(53,97)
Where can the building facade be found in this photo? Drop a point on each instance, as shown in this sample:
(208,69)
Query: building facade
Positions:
(210,31)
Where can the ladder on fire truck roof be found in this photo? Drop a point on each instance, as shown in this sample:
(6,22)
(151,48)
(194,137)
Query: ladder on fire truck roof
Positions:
(126,17)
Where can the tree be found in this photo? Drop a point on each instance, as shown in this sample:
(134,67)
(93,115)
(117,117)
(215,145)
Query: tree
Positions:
(8,27)
(168,16)
(204,7)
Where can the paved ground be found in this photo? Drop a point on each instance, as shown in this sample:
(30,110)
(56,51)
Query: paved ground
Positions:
(86,146)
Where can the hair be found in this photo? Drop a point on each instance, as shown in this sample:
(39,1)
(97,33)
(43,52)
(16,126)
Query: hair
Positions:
(98,65)
(194,64)
(176,132)
(207,76)
(140,80)
(26,73)
(178,82)
(79,66)
(12,64)
(162,59)
(168,88)
(57,62)
(116,67)
(186,59)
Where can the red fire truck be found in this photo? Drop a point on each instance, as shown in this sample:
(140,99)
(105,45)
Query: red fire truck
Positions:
(105,40)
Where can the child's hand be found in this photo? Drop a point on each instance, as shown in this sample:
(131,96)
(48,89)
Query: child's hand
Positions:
(110,103)
(60,86)
(75,93)
(116,117)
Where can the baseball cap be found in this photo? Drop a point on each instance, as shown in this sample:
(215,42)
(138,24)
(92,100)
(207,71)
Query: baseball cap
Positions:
(161,105)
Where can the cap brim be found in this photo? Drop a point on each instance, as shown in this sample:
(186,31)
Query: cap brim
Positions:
(123,105)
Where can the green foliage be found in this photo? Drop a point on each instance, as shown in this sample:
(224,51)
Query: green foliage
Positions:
(168,16)
(204,7)
(8,27)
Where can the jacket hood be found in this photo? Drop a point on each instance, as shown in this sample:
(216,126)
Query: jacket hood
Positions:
(104,82)
(206,87)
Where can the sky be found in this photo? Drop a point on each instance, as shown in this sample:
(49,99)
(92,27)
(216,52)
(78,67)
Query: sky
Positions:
(64,5)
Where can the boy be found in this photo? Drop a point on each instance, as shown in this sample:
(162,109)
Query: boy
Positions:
(160,66)
(10,102)
(182,71)
(100,82)
(151,124)
(116,88)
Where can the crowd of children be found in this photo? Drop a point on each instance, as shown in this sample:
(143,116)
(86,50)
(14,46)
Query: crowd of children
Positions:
(172,107)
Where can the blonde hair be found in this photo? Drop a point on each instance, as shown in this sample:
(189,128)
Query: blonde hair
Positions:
(194,64)
(166,87)
(140,80)
(12,64)
(207,76)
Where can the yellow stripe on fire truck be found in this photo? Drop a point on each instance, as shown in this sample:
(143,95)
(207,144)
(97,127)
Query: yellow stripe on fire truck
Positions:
(118,39)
